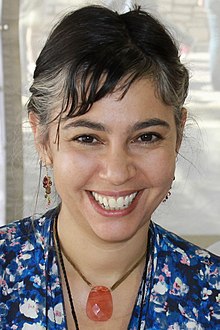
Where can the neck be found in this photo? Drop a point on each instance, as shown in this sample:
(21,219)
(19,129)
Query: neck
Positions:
(100,261)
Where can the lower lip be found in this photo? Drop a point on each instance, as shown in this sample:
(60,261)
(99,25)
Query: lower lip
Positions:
(114,213)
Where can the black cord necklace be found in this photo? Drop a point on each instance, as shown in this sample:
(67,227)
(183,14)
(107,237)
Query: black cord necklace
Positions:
(57,241)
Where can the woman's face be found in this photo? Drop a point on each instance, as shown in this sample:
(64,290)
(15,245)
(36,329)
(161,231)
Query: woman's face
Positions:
(115,164)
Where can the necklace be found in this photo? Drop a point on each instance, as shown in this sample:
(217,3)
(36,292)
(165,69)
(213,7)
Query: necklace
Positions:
(99,305)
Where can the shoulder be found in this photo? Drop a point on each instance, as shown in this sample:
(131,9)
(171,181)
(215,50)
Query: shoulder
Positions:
(185,257)
(181,249)
(187,277)
(27,269)
(15,236)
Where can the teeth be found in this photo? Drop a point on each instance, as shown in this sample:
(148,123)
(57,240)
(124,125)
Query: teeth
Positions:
(120,201)
(110,203)
(127,199)
(100,200)
(105,202)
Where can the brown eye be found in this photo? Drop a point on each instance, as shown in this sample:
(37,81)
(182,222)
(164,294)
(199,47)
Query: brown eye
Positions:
(86,139)
(148,137)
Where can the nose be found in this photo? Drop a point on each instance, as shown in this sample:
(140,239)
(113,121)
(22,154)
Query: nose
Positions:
(118,167)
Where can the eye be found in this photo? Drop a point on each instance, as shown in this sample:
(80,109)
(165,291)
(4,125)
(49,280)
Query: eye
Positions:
(148,138)
(86,139)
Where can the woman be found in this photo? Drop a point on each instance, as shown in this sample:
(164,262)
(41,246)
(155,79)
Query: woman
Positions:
(106,109)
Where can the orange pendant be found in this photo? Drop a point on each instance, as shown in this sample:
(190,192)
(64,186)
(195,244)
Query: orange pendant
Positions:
(99,305)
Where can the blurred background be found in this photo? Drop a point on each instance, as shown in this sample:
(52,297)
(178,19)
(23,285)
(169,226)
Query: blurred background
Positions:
(193,210)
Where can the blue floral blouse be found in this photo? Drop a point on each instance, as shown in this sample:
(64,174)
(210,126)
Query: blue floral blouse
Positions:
(180,288)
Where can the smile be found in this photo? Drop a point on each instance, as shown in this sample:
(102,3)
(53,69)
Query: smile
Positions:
(111,203)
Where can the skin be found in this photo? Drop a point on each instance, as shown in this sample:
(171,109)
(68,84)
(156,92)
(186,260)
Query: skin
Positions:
(119,147)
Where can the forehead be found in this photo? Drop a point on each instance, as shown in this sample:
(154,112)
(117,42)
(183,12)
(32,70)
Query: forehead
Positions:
(140,102)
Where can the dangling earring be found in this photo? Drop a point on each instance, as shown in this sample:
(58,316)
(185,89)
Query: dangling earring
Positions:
(168,194)
(47,183)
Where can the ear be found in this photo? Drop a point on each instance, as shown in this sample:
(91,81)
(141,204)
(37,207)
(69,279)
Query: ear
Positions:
(181,128)
(40,139)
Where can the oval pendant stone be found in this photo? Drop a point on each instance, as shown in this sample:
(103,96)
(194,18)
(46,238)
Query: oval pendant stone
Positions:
(99,305)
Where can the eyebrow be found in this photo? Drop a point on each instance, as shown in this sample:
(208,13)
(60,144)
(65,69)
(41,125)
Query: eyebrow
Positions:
(100,127)
(85,123)
(149,123)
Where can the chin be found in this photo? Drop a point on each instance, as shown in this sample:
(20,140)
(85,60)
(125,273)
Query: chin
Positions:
(116,232)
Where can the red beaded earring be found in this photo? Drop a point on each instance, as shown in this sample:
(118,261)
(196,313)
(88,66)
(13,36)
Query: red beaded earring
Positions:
(47,183)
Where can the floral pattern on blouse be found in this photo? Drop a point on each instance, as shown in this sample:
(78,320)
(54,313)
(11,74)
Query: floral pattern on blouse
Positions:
(180,288)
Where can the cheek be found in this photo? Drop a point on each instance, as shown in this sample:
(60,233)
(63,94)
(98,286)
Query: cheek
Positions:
(159,167)
(73,169)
